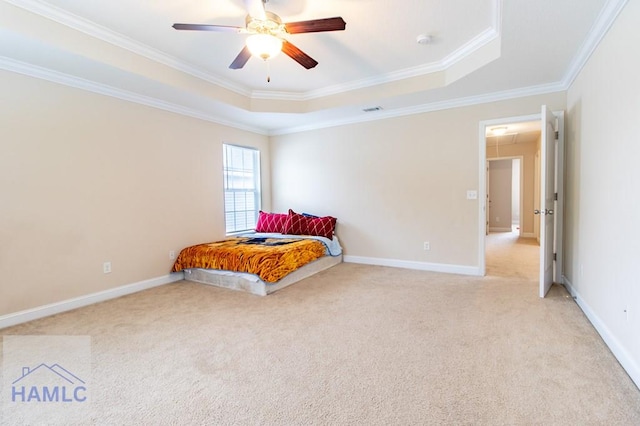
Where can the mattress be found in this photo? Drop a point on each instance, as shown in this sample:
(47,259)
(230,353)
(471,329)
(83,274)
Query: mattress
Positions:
(225,265)
(253,284)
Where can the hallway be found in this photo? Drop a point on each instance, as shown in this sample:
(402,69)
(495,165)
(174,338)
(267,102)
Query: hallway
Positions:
(508,255)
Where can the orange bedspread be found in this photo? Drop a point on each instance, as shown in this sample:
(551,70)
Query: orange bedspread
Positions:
(270,259)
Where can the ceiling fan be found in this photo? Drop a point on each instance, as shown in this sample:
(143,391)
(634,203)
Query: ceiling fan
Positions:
(267,34)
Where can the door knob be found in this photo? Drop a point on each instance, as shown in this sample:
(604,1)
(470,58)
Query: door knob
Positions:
(536,211)
(550,212)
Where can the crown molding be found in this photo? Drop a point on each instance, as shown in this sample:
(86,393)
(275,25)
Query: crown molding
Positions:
(430,107)
(103,89)
(599,29)
(482,39)
(101,33)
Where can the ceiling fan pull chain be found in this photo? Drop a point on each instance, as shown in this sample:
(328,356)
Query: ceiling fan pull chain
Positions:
(268,71)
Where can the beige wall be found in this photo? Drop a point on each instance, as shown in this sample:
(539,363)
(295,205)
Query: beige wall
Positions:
(86,179)
(500,183)
(395,183)
(528,152)
(602,239)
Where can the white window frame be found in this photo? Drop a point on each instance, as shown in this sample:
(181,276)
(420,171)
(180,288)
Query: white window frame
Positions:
(242,187)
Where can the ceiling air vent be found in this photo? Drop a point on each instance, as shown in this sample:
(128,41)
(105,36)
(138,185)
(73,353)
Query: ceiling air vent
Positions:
(372,109)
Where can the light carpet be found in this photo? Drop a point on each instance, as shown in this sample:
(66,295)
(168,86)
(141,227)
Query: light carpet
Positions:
(353,345)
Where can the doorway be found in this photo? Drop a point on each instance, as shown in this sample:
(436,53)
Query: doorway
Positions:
(551,194)
(511,246)
(505,185)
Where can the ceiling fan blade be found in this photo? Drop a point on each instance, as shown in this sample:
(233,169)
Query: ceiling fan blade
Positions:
(241,59)
(316,25)
(298,55)
(255,9)
(206,27)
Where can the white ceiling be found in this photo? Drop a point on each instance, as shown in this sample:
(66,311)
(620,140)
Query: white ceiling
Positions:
(481,50)
(521,132)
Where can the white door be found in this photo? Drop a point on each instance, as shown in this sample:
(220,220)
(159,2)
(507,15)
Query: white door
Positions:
(488,204)
(547,198)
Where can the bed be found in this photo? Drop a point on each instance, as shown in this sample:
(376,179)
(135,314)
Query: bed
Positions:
(264,262)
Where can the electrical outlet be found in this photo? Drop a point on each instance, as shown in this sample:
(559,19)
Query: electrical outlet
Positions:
(106,267)
(426,246)
(172,254)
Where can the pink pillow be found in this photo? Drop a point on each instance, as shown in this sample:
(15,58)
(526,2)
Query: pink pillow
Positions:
(298,224)
(271,222)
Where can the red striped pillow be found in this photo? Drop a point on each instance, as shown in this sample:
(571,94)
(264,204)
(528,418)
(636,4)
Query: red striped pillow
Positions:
(322,226)
(298,224)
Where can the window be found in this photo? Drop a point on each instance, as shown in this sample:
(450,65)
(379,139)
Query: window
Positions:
(241,187)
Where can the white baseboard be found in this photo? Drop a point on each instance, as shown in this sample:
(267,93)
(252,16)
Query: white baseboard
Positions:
(498,229)
(628,363)
(408,264)
(89,299)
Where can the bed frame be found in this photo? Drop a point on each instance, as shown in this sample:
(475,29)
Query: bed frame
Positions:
(251,283)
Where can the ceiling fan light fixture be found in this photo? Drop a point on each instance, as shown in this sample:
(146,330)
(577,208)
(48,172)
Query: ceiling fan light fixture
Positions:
(264,46)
